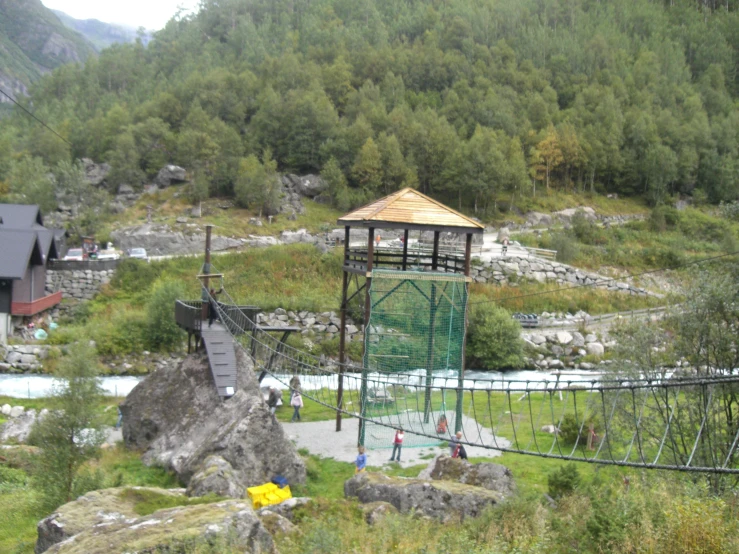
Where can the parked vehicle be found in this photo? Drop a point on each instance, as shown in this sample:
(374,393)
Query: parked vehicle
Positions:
(111,254)
(138,253)
(75,255)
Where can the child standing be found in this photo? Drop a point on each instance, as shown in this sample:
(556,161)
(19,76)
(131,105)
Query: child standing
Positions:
(361,461)
(296,402)
(397,444)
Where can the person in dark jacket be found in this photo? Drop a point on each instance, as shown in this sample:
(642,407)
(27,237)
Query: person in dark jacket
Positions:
(212,306)
(273,399)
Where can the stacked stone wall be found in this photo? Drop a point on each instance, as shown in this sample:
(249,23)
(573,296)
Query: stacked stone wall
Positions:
(81,284)
(514,268)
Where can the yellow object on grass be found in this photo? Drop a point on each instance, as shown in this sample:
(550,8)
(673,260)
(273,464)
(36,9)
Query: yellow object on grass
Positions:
(268,494)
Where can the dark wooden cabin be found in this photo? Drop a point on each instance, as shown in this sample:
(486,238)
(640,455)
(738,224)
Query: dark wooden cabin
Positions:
(26,247)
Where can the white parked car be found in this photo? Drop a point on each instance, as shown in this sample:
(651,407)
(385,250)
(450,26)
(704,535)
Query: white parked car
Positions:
(75,255)
(138,253)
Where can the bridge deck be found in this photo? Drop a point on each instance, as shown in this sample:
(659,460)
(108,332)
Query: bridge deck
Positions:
(222,357)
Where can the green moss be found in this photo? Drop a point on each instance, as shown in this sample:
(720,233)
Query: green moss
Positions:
(148,501)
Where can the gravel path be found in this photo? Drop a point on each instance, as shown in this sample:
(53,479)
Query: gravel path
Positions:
(320,438)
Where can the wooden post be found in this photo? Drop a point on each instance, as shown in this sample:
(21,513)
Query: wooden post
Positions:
(432,333)
(206,270)
(342,332)
(405,249)
(367,307)
(460,377)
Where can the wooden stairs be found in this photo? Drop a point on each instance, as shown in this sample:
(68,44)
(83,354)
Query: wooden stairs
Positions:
(221,356)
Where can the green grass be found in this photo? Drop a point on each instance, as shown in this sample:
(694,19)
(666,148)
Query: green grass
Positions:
(537,298)
(311,410)
(118,466)
(106,407)
(690,234)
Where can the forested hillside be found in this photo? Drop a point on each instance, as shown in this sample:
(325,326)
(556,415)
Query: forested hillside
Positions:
(472,101)
(33,41)
(99,33)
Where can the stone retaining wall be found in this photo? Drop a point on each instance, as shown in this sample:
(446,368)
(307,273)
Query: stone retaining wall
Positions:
(500,271)
(78,284)
(17,358)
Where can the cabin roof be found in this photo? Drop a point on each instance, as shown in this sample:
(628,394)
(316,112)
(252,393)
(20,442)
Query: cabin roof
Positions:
(410,209)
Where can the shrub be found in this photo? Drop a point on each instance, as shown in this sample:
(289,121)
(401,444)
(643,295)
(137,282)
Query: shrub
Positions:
(494,338)
(569,429)
(566,247)
(162,330)
(135,276)
(563,481)
(123,333)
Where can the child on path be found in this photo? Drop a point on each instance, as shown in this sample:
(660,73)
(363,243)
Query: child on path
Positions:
(272,400)
(454,443)
(361,461)
(296,402)
(397,444)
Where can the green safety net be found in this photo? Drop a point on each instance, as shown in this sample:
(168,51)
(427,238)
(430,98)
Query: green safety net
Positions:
(416,330)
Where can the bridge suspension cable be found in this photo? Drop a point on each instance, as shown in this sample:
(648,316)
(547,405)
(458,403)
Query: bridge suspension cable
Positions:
(672,422)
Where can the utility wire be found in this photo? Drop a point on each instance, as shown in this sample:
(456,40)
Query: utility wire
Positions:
(33,116)
(603,281)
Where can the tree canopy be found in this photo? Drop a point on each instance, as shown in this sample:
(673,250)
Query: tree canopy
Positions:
(466,99)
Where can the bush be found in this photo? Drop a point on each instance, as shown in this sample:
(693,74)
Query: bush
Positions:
(162,330)
(563,481)
(566,247)
(123,333)
(494,338)
(135,276)
(663,218)
(569,429)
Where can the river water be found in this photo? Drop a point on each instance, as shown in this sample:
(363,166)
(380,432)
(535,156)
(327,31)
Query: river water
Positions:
(38,386)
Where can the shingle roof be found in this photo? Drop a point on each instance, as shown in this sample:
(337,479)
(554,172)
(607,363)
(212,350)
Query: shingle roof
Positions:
(408,208)
(16,248)
(20,216)
(22,235)
(47,243)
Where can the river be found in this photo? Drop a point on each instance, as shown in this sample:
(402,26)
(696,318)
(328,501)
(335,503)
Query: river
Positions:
(39,386)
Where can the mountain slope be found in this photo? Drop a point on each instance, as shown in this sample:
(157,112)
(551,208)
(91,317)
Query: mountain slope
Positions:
(100,34)
(32,42)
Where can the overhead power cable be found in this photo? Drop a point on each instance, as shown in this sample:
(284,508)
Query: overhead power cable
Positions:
(13,100)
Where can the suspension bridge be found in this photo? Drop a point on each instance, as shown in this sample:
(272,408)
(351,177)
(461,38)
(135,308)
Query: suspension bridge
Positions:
(412,372)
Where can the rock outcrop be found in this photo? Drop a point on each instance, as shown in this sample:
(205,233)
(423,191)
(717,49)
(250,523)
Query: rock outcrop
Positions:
(94,508)
(493,477)
(171,175)
(160,240)
(95,174)
(105,521)
(443,500)
(19,427)
(178,419)
(215,476)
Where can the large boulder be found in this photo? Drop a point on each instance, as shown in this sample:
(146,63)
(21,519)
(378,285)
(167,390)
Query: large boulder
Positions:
(291,199)
(176,416)
(95,174)
(171,175)
(567,215)
(19,428)
(443,500)
(309,186)
(177,529)
(95,508)
(493,477)
(216,476)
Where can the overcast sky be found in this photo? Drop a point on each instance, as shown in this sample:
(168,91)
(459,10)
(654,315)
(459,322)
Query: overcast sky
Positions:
(152,14)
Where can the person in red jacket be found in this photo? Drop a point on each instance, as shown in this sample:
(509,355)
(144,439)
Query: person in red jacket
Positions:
(397,444)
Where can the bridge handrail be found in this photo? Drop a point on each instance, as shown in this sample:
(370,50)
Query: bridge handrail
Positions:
(264,349)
